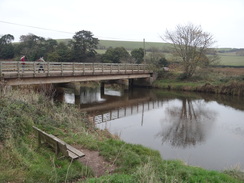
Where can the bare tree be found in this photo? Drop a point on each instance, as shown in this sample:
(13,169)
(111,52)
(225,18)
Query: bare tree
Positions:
(192,45)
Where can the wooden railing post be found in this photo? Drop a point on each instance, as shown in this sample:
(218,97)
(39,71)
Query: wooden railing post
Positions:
(62,69)
(118,68)
(110,68)
(1,71)
(125,67)
(48,68)
(93,68)
(102,68)
(73,68)
(34,69)
(18,68)
(84,65)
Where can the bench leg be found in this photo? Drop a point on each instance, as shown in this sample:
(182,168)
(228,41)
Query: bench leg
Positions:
(39,139)
(56,148)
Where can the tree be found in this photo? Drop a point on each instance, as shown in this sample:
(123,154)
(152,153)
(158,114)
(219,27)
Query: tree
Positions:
(138,55)
(115,55)
(83,45)
(155,55)
(62,53)
(191,44)
(6,47)
(34,46)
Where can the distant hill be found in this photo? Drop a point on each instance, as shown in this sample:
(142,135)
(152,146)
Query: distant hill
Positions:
(228,56)
(130,45)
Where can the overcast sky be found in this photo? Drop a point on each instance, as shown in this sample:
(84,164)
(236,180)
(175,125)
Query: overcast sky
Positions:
(129,20)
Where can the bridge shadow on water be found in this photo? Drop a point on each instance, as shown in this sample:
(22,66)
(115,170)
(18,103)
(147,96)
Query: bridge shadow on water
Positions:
(187,122)
(178,124)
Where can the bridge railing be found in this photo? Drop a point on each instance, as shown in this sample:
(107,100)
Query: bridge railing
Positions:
(9,69)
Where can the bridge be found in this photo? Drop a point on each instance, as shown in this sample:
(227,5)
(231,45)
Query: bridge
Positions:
(16,73)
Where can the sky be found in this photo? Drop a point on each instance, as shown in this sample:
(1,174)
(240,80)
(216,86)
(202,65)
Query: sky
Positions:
(127,20)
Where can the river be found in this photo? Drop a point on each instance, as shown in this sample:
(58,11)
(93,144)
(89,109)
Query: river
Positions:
(199,129)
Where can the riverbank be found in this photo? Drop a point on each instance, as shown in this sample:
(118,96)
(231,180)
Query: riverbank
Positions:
(22,161)
(227,81)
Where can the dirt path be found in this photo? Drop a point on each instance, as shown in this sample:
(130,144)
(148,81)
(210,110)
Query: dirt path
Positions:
(96,162)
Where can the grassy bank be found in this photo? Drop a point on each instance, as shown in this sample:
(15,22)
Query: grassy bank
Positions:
(228,81)
(22,161)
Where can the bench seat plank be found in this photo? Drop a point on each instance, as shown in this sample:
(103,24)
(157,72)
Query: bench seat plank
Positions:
(72,155)
(58,144)
(75,151)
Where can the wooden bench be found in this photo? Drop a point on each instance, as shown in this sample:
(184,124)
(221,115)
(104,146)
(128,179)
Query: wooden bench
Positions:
(58,145)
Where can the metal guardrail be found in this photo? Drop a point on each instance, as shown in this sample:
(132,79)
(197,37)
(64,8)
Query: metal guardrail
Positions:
(16,69)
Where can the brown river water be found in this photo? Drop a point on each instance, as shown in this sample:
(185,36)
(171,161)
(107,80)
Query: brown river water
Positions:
(200,129)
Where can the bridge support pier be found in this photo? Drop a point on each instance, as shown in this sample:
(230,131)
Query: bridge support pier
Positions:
(77,93)
(102,84)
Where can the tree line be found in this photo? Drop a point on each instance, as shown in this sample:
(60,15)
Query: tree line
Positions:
(191,47)
(82,48)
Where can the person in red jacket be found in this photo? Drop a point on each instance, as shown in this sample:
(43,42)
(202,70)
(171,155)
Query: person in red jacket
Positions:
(23,59)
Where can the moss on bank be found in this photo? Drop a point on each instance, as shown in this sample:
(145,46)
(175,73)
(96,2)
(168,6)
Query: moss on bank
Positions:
(22,161)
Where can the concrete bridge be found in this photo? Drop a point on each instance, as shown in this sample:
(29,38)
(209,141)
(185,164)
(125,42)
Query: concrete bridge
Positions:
(16,73)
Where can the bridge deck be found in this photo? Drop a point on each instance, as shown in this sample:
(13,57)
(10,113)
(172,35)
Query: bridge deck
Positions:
(14,72)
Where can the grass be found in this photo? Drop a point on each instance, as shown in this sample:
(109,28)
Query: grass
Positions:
(227,55)
(228,81)
(130,45)
(228,58)
(231,59)
(22,161)
(19,155)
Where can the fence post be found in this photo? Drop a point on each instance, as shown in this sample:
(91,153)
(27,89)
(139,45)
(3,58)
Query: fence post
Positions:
(125,68)
(118,68)
(1,78)
(73,68)
(62,67)
(48,68)
(102,68)
(0,70)
(93,68)
(18,68)
(84,68)
(110,68)
(34,69)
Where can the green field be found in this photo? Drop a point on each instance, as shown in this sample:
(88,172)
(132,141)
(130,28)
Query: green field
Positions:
(130,45)
(228,56)
(231,59)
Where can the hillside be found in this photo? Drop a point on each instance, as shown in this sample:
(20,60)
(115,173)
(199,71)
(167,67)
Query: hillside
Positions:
(228,56)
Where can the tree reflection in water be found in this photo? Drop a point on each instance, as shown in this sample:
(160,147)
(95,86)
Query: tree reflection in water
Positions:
(188,124)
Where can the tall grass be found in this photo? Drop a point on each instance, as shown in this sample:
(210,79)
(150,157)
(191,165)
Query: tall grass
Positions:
(22,161)
(19,155)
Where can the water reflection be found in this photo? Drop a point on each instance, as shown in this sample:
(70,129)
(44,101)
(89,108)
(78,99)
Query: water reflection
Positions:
(188,124)
(202,130)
